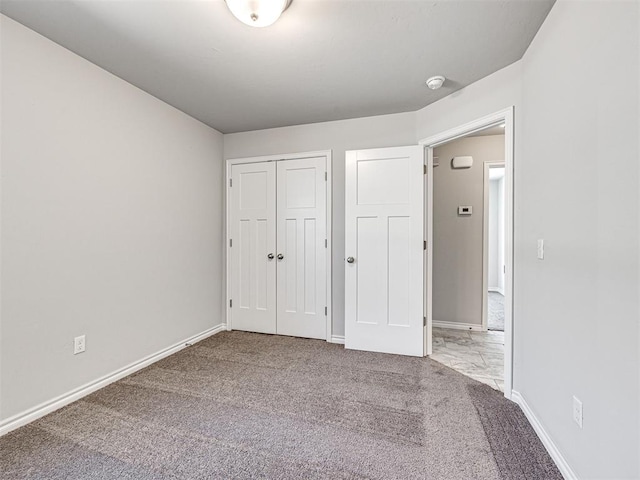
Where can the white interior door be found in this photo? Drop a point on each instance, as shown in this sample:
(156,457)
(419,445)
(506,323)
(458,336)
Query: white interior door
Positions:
(252,221)
(301,258)
(384,273)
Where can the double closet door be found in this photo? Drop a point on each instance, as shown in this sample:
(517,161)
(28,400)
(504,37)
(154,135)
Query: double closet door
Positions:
(277,248)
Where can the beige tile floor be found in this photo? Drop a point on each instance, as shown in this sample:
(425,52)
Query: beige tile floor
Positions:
(479,355)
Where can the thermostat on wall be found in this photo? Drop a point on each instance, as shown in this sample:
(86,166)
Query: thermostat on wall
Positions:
(462,162)
(465,210)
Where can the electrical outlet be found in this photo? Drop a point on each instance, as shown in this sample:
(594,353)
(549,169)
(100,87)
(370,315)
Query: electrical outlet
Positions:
(577,411)
(541,249)
(78,345)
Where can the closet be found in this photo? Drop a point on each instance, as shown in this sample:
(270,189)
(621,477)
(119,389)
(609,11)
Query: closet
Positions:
(277,263)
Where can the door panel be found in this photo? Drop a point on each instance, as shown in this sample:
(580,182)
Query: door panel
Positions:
(253,234)
(384,290)
(301,240)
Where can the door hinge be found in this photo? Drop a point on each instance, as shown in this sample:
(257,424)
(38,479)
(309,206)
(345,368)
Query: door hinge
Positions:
(325,176)
(325,311)
(424,245)
(231,182)
(231,242)
(325,243)
(230,303)
(425,169)
(424,321)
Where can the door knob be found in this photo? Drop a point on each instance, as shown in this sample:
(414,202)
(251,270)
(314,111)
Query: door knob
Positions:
(270,256)
(350,259)
(280,256)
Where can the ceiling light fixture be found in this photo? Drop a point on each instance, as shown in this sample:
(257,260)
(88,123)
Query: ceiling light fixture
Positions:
(436,82)
(258,13)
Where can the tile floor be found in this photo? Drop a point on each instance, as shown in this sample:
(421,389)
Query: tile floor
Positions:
(479,355)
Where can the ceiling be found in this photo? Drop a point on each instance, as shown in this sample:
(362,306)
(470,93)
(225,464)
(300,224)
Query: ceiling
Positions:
(323,60)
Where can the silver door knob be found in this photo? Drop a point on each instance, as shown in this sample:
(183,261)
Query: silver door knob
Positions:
(280,256)
(350,259)
(270,256)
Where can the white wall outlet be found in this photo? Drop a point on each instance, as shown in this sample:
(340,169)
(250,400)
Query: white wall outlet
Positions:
(78,345)
(577,411)
(540,249)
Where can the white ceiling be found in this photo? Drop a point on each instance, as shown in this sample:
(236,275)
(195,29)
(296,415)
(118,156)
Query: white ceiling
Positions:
(323,60)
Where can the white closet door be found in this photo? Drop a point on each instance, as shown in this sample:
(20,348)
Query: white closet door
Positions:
(253,235)
(384,273)
(301,248)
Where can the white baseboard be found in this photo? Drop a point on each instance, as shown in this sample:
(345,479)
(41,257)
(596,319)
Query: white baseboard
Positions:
(337,339)
(551,447)
(457,326)
(497,290)
(49,406)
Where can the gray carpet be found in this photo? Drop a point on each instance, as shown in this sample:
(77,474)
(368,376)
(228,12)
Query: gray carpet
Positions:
(496,311)
(242,405)
(517,452)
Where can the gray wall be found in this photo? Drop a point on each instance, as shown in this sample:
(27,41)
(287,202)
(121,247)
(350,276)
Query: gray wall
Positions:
(457,240)
(577,311)
(339,136)
(111,222)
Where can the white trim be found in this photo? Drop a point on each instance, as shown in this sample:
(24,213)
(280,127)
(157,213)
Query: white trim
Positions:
(505,116)
(496,290)
(457,326)
(485,240)
(428,258)
(49,406)
(328,154)
(337,339)
(566,470)
(279,156)
(497,118)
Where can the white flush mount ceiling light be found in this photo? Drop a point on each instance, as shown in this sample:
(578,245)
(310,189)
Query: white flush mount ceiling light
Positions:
(258,13)
(436,82)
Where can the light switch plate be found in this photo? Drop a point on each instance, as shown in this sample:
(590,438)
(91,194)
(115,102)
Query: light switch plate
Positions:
(577,411)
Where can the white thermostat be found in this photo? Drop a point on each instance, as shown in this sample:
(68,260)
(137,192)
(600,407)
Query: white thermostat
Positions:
(462,162)
(465,210)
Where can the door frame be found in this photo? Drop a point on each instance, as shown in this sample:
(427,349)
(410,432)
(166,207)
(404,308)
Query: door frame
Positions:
(505,116)
(485,239)
(327,154)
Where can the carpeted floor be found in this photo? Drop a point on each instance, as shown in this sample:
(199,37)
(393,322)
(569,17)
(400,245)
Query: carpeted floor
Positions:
(496,311)
(243,405)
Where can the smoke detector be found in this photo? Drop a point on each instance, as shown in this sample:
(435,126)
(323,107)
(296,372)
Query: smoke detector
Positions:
(436,82)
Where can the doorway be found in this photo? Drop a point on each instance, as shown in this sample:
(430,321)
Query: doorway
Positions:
(493,265)
(470,330)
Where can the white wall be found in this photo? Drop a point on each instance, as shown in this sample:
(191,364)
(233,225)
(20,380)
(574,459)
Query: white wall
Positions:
(339,136)
(577,311)
(111,222)
(458,240)
(493,93)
